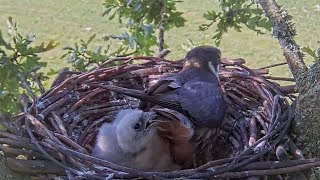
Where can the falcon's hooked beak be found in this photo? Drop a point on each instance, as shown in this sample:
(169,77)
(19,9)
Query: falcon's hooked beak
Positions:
(214,70)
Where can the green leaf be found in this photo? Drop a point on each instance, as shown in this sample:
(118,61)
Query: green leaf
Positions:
(64,55)
(68,48)
(51,45)
(148,30)
(2,52)
(52,72)
(236,14)
(310,52)
(83,45)
(113,15)
(22,48)
(2,41)
(11,25)
(210,15)
(106,11)
(91,38)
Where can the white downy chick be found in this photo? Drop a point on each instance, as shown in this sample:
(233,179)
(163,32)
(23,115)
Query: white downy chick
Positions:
(132,140)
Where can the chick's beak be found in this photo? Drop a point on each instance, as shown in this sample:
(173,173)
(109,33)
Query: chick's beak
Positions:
(150,119)
(154,122)
(149,123)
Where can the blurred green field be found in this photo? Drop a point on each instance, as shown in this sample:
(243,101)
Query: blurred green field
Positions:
(69,20)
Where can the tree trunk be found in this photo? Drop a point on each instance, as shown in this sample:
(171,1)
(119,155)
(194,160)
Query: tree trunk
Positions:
(307,118)
(307,122)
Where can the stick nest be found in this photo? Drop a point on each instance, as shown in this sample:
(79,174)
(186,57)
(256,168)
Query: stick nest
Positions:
(55,134)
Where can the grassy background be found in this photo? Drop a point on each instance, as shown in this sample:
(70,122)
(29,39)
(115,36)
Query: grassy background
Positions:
(69,20)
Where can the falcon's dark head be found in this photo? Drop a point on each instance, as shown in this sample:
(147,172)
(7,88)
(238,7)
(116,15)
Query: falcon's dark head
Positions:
(204,57)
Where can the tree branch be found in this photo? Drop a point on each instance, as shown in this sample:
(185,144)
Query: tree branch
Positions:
(162,27)
(284,31)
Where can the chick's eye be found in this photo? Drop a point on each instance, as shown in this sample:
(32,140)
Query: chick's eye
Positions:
(137,126)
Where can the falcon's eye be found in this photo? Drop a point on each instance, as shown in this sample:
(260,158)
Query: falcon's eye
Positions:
(137,126)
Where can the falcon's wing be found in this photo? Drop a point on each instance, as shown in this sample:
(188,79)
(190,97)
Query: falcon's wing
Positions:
(204,101)
(164,85)
(176,126)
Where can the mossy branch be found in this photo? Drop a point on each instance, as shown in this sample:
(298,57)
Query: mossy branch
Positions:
(284,31)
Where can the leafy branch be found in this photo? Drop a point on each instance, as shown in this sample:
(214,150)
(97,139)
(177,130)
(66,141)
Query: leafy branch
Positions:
(315,54)
(82,57)
(233,14)
(19,67)
(143,18)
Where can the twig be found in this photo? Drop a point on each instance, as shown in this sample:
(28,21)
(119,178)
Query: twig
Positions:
(9,151)
(288,89)
(34,166)
(279,78)
(26,85)
(162,26)
(294,151)
(253,131)
(227,61)
(37,78)
(270,171)
(59,122)
(274,65)
(281,152)
(163,53)
(113,166)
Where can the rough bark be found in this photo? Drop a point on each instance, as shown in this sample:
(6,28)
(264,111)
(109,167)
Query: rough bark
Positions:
(284,31)
(307,122)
